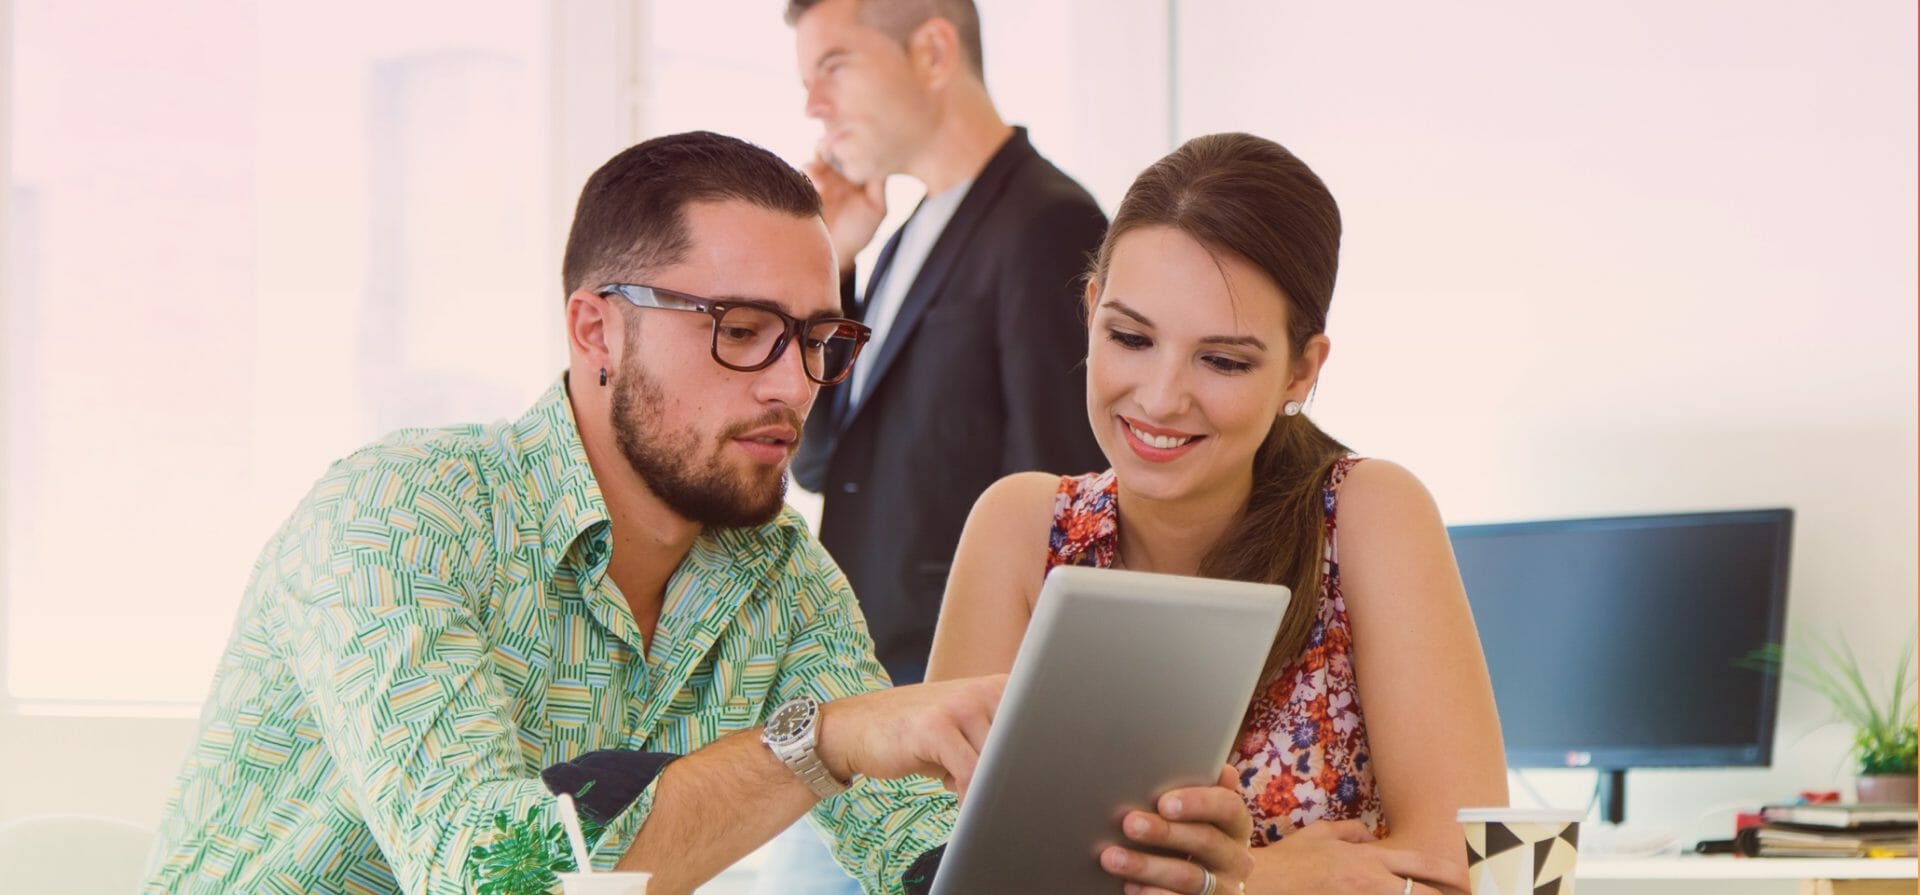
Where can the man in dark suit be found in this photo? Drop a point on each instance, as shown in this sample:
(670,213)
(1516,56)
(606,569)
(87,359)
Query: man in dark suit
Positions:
(975,368)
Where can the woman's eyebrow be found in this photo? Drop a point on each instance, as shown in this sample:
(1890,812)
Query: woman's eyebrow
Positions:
(1122,308)
(1248,341)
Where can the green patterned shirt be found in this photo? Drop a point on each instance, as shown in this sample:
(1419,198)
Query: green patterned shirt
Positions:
(434,625)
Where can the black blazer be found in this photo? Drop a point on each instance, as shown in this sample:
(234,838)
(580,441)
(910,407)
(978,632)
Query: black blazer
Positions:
(982,375)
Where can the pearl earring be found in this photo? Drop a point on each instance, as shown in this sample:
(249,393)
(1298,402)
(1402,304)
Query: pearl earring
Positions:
(1292,408)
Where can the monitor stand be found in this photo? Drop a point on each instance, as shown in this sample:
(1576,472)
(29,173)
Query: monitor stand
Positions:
(1613,795)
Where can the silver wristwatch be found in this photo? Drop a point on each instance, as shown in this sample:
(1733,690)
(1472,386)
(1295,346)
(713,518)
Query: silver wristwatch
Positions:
(791,732)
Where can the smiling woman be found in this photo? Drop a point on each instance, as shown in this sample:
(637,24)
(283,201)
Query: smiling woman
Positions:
(1196,245)
(1165,381)
(1209,299)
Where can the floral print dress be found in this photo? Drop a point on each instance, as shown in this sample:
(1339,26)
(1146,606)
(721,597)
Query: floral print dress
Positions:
(1303,755)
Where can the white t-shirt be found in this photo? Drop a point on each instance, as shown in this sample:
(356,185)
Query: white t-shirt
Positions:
(917,237)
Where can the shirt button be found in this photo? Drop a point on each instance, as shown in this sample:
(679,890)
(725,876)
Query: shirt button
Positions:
(850,487)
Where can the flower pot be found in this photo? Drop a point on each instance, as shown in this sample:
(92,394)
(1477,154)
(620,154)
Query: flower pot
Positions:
(1899,789)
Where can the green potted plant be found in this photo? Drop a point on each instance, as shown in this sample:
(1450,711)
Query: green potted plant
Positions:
(525,856)
(1886,739)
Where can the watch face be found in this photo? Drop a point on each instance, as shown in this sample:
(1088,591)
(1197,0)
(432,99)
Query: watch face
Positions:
(789,722)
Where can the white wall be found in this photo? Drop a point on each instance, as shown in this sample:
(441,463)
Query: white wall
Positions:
(1638,256)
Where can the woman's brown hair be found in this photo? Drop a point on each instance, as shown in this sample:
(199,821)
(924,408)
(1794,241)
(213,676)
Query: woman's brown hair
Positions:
(1244,195)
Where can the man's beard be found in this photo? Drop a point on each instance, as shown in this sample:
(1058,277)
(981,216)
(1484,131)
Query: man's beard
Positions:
(713,496)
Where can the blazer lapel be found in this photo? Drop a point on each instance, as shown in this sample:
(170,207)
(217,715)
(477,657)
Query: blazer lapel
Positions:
(974,207)
(841,396)
(881,265)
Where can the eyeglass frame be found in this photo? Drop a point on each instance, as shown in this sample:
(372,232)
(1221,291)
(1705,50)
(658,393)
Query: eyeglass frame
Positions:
(643,296)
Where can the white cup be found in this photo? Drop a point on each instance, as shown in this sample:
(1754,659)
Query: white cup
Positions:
(616,883)
(1521,851)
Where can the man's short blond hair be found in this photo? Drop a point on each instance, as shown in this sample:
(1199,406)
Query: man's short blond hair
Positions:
(898,19)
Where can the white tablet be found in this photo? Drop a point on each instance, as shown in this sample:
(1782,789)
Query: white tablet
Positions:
(1126,685)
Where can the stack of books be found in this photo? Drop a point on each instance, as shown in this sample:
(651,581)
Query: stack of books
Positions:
(1833,831)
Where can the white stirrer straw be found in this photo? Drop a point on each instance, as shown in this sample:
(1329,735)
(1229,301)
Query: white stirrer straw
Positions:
(571,820)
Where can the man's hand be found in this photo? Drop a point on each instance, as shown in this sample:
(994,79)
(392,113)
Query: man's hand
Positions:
(935,729)
(853,210)
(1208,823)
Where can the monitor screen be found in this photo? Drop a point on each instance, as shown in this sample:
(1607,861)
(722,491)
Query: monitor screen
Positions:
(1617,643)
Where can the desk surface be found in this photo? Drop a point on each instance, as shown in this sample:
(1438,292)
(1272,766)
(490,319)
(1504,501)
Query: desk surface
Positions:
(1728,867)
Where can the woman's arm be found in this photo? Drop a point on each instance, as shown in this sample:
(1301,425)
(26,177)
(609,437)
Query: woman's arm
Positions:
(1422,678)
(995,578)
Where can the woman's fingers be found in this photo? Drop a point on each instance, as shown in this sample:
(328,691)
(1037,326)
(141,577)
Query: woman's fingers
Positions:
(1206,843)
(1220,805)
(1158,873)
(1416,866)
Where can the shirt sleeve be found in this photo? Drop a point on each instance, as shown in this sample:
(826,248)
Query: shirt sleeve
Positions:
(384,599)
(878,828)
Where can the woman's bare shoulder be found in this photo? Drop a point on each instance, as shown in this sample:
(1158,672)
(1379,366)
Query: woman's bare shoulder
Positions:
(1016,511)
(1381,489)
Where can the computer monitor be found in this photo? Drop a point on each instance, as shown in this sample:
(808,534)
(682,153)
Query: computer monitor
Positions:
(1619,643)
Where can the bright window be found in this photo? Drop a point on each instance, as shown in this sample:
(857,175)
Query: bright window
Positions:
(246,239)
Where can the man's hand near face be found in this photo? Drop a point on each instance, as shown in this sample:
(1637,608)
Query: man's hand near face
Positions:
(853,210)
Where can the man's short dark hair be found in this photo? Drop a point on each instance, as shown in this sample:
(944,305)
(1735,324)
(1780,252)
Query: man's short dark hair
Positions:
(632,212)
(898,18)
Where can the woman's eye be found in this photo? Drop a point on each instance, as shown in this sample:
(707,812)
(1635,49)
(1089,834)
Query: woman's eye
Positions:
(1227,364)
(1127,340)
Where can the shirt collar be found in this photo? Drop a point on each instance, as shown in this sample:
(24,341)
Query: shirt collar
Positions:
(562,491)
(566,497)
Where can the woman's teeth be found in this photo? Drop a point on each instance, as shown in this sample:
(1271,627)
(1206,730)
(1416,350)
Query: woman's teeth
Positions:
(1163,442)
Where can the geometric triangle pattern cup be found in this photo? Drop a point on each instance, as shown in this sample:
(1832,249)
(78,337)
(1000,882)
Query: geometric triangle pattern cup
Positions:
(1518,851)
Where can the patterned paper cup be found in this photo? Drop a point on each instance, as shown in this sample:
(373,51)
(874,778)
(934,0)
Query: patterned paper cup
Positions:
(1517,851)
(629,883)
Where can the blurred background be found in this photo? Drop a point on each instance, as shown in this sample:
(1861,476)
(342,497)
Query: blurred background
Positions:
(1636,257)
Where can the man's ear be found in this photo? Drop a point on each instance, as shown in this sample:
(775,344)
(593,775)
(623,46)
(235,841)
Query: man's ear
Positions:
(595,331)
(934,50)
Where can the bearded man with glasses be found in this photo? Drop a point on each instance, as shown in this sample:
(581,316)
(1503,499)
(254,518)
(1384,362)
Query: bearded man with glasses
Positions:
(605,597)
(749,335)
